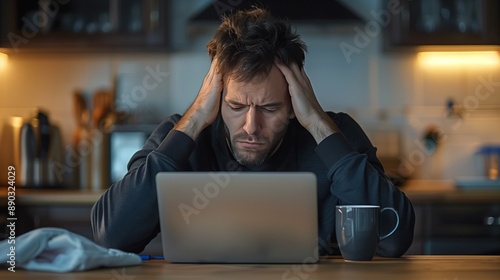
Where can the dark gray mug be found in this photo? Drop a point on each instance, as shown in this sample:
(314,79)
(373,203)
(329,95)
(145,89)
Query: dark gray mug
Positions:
(357,230)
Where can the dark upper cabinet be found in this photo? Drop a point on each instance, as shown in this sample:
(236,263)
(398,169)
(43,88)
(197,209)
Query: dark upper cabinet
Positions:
(83,25)
(442,23)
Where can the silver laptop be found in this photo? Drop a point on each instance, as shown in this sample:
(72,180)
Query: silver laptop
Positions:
(238,217)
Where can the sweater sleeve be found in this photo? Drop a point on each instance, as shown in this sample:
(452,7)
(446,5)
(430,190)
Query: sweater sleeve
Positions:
(358,178)
(126,215)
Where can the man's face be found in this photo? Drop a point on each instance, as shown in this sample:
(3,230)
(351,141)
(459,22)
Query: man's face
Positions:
(256,115)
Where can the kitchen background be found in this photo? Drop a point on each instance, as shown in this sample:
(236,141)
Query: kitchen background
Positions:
(394,95)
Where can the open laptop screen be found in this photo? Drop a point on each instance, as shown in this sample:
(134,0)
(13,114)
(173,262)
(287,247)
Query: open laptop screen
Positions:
(238,217)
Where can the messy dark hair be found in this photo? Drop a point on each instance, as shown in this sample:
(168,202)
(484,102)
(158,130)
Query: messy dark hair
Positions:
(247,43)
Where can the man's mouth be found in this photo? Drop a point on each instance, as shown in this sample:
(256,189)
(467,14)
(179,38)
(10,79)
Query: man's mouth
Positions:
(250,145)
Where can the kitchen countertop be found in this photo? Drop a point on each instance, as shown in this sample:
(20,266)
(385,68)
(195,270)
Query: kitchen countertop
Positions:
(54,196)
(429,191)
(419,191)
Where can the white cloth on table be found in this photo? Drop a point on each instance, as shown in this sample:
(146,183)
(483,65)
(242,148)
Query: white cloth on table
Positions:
(59,250)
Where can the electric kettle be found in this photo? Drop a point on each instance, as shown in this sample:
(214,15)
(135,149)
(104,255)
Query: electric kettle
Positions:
(33,147)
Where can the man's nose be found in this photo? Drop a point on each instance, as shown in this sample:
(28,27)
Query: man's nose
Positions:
(251,121)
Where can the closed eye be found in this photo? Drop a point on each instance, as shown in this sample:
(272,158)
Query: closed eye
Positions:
(237,108)
(269,109)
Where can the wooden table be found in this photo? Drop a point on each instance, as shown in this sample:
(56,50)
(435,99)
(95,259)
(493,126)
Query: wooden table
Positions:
(408,268)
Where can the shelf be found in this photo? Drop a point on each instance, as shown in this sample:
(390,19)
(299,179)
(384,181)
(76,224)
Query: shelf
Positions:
(441,24)
(95,25)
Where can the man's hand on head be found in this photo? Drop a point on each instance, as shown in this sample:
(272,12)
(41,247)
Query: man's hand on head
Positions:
(305,105)
(205,107)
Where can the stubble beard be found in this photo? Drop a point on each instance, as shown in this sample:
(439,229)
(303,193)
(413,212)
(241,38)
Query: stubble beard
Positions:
(248,157)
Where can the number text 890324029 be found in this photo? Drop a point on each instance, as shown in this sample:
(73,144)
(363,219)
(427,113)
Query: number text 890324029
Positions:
(11,219)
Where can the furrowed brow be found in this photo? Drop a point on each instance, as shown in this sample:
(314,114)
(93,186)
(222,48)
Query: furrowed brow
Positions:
(234,102)
(267,105)
(270,105)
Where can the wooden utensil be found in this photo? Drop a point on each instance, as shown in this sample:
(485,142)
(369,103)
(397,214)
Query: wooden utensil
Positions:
(101,103)
(82,133)
(80,108)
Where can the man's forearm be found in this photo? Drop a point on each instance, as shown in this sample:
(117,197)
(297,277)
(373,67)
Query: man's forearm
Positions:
(132,201)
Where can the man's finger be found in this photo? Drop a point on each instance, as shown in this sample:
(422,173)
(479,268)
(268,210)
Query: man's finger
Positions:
(215,65)
(290,77)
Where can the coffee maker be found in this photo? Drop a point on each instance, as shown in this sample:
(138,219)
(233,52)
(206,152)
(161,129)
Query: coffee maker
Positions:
(33,146)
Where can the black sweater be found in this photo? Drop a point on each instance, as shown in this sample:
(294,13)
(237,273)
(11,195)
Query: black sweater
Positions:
(347,170)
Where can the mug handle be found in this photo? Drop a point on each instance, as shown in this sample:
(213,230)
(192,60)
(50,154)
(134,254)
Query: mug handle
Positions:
(395,227)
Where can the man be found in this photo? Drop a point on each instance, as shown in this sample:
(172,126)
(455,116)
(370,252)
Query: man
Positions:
(256,110)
